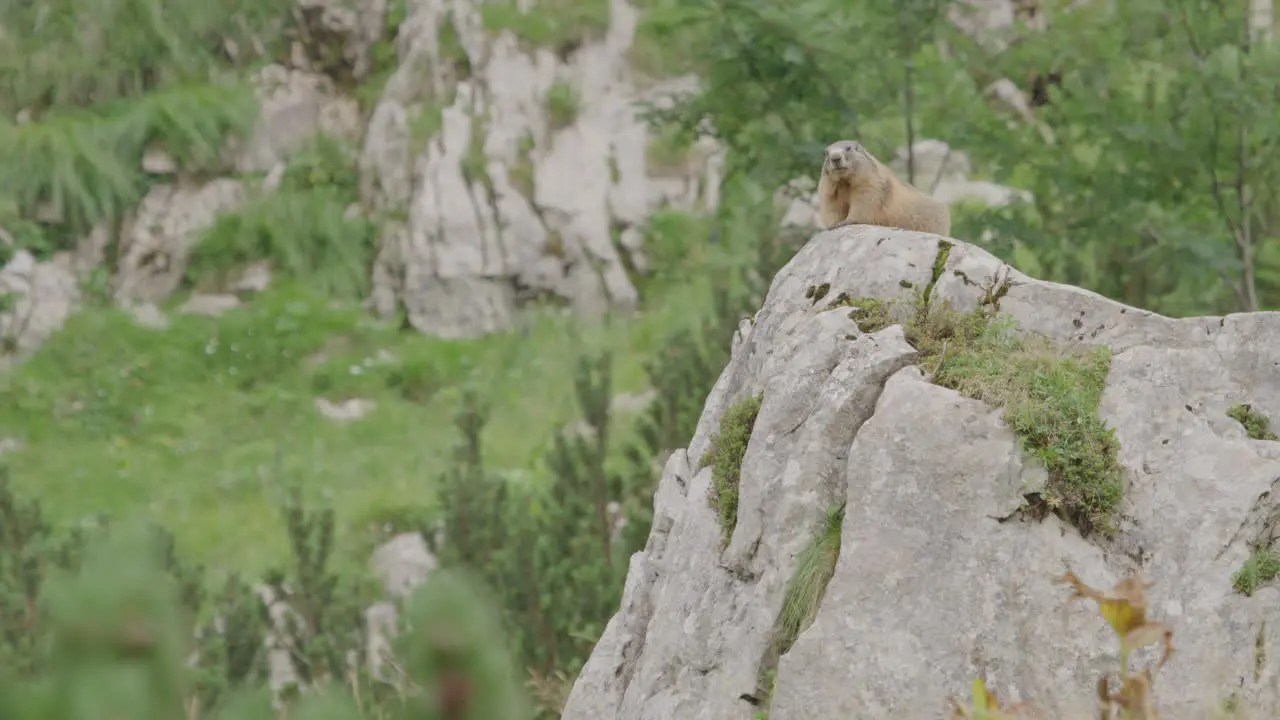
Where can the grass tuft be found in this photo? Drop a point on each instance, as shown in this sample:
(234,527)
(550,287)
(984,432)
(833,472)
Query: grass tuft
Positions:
(1262,567)
(1050,398)
(809,583)
(1049,395)
(563,104)
(725,458)
(1257,425)
(871,314)
(302,229)
(304,234)
(78,53)
(86,165)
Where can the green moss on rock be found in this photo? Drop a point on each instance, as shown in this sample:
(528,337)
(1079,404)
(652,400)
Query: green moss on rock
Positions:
(725,455)
(1049,394)
(1262,567)
(563,104)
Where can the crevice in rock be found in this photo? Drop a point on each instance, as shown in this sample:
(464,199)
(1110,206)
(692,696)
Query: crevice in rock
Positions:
(1261,524)
(767,665)
(1031,503)
(616,228)
(939,265)
(1260,651)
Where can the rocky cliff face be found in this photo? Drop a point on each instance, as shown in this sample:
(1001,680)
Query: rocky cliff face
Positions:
(498,171)
(535,184)
(938,576)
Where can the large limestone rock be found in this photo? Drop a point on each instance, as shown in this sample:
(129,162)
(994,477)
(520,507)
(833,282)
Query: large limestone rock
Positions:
(934,582)
(493,198)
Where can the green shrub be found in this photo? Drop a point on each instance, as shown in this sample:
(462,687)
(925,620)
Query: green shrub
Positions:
(676,247)
(305,234)
(102,622)
(669,38)
(86,164)
(668,151)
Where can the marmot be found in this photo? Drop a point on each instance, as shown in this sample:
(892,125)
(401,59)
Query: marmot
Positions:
(858,189)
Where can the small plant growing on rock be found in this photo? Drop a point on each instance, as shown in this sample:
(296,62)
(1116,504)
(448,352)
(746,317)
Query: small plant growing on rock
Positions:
(1257,425)
(1049,394)
(1050,399)
(1262,567)
(563,104)
(816,565)
(984,706)
(808,585)
(668,151)
(871,314)
(560,25)
(522,174)
(725,458)
(1124,607)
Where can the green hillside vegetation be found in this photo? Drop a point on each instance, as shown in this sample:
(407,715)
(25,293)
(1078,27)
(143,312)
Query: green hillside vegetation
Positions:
(204,422)
(1154,164)
(210,426)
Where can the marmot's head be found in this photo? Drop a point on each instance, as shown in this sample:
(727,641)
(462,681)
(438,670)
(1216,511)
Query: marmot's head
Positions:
(844,158)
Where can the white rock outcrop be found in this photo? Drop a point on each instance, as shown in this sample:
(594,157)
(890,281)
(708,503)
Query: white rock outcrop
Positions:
(931,585)
(508,199)
(36,298)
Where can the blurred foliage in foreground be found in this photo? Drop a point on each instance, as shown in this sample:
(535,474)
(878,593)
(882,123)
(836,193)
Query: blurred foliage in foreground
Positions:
(108,630)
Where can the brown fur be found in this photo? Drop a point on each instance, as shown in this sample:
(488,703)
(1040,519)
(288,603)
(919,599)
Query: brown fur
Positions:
(857,189)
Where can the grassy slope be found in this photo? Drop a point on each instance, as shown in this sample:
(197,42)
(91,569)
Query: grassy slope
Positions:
(202,426)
